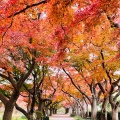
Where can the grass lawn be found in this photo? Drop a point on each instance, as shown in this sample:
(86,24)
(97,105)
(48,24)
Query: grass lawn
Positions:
(79,118)
(21,117)
(16,118)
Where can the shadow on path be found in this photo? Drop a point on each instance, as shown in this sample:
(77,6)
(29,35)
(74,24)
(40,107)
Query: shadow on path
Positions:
(61,117)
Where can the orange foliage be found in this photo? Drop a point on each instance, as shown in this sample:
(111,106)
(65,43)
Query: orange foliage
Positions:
(71,32)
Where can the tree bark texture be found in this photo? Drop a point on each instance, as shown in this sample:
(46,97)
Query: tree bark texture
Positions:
(94,109)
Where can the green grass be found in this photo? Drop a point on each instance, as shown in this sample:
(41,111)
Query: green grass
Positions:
(14,118)
(79,118)
(20,117)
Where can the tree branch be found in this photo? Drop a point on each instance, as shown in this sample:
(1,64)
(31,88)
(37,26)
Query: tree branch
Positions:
(25,76)
(21,110)
(3,98)
(11,81)
(111,101)
(27,7)
(4,76)
(78,88)
(43,75)
(6,31)
(103,65)
(76,99)
(101,88)
(115,97)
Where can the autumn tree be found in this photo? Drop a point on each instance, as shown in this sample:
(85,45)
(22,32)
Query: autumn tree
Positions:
(93,25)
(18,46)
(32,31)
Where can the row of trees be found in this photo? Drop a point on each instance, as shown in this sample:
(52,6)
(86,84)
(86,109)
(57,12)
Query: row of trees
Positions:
(27,83)
(49,45)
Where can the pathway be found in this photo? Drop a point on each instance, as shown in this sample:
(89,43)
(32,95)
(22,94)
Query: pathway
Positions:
(61,117)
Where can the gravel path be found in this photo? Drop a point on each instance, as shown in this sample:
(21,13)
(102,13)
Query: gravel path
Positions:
(61,117)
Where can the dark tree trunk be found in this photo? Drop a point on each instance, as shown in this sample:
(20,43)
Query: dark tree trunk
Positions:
(54,111)
(51,111)
(66,110)
(9,106)
(8,112)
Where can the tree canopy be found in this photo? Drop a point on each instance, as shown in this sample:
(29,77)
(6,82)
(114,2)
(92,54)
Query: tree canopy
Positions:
(49,46)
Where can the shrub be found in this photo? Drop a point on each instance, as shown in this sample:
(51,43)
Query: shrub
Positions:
(72,114)
(39,114)
(119,115)
(46,118)
(109,116)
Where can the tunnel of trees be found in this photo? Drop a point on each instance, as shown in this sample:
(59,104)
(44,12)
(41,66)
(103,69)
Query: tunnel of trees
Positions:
(60,53)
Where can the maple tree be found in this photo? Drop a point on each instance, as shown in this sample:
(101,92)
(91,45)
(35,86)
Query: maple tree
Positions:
(80,34)
(94,69)
(19,48)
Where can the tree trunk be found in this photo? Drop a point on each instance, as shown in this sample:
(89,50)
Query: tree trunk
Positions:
(114,114)
(115,106)
(9,106)
(30,117)
(77,110)
(94,109)
(55,111)
(73,112)
(40,109)
(46,112)
(103,110)
(83,112)
(51,111)
(87,114)
(8,112)
(103,115)
(66,110)
(83,109)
